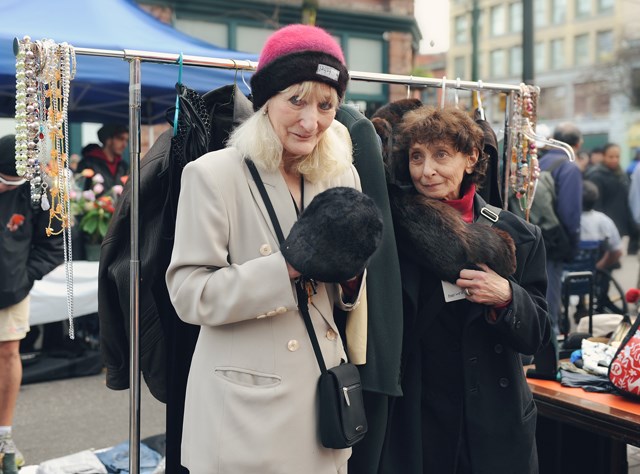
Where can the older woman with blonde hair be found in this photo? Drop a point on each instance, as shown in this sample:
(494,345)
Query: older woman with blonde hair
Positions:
(252,390)
(473,281)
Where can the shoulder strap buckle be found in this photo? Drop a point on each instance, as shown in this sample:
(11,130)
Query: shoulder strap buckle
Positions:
(489,214)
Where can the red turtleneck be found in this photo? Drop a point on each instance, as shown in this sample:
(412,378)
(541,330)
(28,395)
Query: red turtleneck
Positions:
(464,205)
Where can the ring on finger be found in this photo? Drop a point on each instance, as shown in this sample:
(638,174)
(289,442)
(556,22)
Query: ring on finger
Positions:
(467,292)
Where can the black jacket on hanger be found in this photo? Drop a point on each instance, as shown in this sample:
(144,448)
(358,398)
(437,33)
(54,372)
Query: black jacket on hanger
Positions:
(166,342)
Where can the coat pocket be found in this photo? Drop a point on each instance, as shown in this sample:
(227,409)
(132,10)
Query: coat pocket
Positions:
(248,377)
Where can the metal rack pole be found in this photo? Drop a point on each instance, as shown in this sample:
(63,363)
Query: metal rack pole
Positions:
(134,267)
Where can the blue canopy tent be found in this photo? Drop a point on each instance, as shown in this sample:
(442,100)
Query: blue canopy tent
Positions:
(100,90)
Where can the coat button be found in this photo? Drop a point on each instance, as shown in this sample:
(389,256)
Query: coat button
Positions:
(497,348)
(265,249)
(518,324)
(504,383)
(331,335)
(293,345)
(281,310)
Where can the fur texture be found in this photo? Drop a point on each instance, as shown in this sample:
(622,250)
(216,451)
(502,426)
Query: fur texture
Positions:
(440,240)
(335,237)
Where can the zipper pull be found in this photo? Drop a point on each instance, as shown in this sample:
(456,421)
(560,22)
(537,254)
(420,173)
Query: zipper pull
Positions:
(345,391)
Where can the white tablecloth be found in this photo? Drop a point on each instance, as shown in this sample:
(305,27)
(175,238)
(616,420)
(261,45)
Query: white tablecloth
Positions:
(49,295)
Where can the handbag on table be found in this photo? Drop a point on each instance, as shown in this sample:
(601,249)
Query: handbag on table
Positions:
(624,370)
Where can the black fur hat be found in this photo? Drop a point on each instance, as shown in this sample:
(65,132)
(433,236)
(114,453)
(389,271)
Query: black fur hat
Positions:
(335,236)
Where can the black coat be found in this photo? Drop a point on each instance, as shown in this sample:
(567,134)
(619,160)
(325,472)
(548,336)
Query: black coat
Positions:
(166,342)
(491,408)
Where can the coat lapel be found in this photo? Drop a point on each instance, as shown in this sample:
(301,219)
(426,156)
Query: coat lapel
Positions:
(280,199)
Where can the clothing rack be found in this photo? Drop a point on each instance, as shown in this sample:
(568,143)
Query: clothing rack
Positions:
(135,58)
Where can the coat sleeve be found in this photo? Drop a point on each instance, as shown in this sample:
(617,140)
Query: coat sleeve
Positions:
(525,322)
(46,252)
(205,286)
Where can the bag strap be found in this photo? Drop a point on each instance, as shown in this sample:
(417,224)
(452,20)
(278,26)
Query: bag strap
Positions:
(302,284)
(265,198)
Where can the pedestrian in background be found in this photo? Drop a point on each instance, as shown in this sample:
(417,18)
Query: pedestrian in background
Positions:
(107,160)
(613,189)
(26,254)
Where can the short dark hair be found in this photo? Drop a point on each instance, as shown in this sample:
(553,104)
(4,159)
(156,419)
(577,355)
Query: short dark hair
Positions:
(109,130)
(590,195)
(609,145)
(429,124)
(568,133)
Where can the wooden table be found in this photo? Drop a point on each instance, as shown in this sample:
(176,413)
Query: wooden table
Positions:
(580,431)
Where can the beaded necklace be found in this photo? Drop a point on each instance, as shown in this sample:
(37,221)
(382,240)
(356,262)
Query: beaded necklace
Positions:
(524,170)
(44,70)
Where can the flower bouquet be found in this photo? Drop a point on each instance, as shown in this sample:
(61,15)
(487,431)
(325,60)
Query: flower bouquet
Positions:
(93,208)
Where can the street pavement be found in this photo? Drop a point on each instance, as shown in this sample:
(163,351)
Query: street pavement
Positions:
(63,417)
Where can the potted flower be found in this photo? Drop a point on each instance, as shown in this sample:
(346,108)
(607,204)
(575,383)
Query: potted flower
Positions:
(93,209)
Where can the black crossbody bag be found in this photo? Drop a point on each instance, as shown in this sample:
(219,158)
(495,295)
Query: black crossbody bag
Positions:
(342,418)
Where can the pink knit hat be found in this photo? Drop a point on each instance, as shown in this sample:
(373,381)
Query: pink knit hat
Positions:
(294,54)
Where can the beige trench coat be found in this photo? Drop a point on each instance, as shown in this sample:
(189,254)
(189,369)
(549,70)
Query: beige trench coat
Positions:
(251,394)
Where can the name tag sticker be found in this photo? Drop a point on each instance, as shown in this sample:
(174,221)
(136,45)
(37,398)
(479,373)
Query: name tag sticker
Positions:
(452,292)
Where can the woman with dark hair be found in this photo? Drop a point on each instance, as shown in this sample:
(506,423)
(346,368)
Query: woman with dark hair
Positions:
(474,282)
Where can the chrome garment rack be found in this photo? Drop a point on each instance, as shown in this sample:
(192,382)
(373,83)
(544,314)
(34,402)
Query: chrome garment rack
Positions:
(135,58)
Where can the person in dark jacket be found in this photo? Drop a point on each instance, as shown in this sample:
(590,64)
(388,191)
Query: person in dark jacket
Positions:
(26,255)
(474,299)
(613,186)
(106,160)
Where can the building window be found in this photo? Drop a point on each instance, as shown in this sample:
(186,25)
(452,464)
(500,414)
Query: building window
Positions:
(583,8)
(515,17)
(461,29)
(605,6)
(459,64)
(591,100)
(497,63)
(581,50)
(497,20)
(540,13)
(552,103)
(604,46)
(557,53)
(539,57)
(515,61)
(558,11)
(251,39)
(365,55)
(214,33)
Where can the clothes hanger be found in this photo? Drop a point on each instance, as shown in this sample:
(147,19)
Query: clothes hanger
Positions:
(409,89)
(479,99)
(444,91)
(527,131)
(455,96)
(244,81)
(177,111)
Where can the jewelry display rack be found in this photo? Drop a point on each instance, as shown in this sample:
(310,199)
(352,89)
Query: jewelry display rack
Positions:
(136,57)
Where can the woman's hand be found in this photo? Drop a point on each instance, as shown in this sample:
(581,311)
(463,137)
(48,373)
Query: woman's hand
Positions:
(293,273)
(485,287)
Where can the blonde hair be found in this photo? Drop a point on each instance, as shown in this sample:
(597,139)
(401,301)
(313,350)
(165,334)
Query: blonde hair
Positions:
(256,139)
